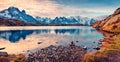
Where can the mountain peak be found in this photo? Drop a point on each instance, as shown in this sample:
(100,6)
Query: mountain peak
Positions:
(117,11)
(13,8)
(23,11)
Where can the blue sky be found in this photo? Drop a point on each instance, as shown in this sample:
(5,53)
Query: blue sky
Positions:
(89,3)
(91,8)
(53,8)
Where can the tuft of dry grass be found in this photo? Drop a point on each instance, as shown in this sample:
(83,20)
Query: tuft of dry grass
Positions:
(13,58)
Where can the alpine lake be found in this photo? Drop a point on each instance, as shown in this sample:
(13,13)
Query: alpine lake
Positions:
(19,39)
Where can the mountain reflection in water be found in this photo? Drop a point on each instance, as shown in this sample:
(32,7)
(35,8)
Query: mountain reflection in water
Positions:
(15,35)
(80,35)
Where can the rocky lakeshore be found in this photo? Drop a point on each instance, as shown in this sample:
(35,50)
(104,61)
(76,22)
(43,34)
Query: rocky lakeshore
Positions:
(70,53)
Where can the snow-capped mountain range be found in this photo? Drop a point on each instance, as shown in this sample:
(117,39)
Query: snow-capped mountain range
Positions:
(15,13)
(66,20)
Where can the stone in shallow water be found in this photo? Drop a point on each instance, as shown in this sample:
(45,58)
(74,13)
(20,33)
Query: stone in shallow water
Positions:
(3,54)
(77,41)
(96,47)
(85,47)
(2,48)
(39,42)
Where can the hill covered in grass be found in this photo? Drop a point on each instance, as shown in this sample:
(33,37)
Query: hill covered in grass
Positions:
(110,51)
(111,23)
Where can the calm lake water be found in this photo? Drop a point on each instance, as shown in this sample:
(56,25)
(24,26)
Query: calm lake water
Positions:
(21,39)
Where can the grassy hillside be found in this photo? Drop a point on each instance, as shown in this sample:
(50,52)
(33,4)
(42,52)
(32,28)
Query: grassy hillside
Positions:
(110,51)
(111,23)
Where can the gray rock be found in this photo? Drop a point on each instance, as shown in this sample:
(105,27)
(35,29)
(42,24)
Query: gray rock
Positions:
(3,54)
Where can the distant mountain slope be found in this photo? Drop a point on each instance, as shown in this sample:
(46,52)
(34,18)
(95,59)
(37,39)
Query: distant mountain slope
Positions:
(15,22)
(63,20)
(111,23)
(66,20)
(44,20)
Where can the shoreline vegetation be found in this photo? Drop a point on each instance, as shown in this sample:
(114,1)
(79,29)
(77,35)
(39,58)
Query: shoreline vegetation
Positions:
(110,51)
